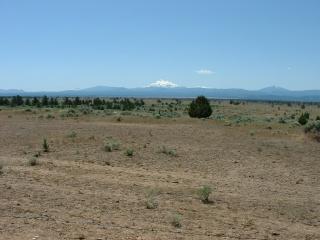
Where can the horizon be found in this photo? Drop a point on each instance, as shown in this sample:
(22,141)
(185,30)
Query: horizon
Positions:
(159,87)
(57,46)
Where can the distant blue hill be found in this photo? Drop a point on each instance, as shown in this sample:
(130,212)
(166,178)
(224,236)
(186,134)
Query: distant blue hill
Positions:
(269,93)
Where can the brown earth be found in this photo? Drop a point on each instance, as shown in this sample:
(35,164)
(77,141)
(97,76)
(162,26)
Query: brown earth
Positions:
(266,181)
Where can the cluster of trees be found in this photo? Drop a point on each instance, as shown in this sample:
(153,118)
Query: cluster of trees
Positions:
(20,101)
(96,103)
(123,104)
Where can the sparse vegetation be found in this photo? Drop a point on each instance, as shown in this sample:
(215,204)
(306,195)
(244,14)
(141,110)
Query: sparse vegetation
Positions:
(37,154)
(229,147)
(282,120)
(45,145)
(129,152)
(313,129)
(151,202)
(111,145)
(33,161)
(1,168)
(72,135)
(169,152)
(176,220)
(50,116)
(204,193)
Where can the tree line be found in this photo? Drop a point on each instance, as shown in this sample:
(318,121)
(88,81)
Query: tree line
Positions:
(96,103)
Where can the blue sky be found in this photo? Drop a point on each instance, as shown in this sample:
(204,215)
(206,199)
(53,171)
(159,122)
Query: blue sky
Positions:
(71,44)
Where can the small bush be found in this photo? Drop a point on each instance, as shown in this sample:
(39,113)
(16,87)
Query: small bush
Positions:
(169,152)
(200,108)
(50,116)
(1,168)
(282,120)
(33,162)
(129,152)
(151,202)
(157,116)
(176,220)
(45,145)
(111,146)
(303,119)
(204,193)
(313,129)
(318,118)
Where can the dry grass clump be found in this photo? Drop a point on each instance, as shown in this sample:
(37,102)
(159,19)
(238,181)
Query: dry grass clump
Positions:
(112,145)
(176,220)
(151,202)
(169,152)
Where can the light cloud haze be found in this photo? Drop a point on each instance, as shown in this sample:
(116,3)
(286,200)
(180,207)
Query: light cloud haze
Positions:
(205,72)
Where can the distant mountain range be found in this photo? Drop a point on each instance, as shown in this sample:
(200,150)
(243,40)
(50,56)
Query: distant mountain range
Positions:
(269,93)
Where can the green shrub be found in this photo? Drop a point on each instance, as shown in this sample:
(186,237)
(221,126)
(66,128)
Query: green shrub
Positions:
(129,152)
(157,116)
(176,220)
(85,110)
(204,193)
(303,119)
(45,145)
(318,118)
(200,108)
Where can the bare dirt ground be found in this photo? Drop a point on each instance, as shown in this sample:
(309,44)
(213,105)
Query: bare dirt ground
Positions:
(266,183)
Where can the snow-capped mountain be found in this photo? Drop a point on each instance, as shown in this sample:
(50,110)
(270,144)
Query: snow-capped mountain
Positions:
(163,84)
(166,89)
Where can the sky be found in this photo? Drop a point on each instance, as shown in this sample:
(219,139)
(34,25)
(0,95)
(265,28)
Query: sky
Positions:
(74,44)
